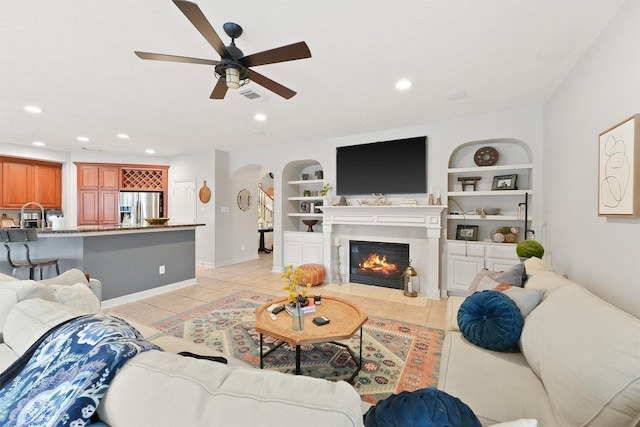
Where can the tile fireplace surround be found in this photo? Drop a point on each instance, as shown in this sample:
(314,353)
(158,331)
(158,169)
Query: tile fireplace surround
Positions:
(419,226)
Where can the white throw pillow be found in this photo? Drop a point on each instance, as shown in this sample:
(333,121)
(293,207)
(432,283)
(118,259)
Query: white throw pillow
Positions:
(78,296)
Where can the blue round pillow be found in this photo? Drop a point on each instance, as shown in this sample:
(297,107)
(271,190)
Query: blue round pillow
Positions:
(428,407)
(491,320)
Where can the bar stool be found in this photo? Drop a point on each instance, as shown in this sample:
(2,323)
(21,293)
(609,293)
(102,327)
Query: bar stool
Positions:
(26,235)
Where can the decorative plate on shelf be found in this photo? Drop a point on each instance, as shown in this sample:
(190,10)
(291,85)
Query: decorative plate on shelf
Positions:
(486,156)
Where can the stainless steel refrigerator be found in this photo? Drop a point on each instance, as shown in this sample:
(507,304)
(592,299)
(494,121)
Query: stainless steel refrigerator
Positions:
(136,206)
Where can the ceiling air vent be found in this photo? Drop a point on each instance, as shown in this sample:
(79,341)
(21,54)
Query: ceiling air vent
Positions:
(251,95)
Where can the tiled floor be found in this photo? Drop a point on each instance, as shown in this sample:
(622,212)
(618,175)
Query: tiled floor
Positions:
(257,275)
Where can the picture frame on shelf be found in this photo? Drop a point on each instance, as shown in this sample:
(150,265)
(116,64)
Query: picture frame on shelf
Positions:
(467,232)
(619,169)
(505,182)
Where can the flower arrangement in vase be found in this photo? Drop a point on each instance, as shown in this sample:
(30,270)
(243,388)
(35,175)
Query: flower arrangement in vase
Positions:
(296,283)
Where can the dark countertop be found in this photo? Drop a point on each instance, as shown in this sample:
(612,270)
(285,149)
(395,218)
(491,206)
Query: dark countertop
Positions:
(104,229)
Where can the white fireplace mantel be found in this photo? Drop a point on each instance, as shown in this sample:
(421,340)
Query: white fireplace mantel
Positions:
(426,217)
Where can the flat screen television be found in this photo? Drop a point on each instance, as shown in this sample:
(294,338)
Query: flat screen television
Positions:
(389,167)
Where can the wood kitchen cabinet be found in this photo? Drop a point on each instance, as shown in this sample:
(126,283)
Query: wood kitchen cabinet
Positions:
(25,180)
(48,185)
(99,186)
(98,190)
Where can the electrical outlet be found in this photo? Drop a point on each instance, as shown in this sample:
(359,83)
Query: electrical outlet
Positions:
(161,269)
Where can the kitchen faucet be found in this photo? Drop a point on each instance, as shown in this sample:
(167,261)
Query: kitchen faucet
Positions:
(42,219)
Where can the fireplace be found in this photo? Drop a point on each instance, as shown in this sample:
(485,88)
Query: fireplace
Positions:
(378,263)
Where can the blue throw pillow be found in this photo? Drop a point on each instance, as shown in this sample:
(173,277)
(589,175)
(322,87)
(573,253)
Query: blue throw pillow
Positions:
(427,407)
(491,320)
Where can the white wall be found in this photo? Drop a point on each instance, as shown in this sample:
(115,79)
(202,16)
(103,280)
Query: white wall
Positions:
(199,167)
(603,254)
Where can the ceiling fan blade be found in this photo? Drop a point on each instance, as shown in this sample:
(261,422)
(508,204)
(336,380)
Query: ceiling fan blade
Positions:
(274,87)
(290,52)
(220,90)
(173,58)
(197,18)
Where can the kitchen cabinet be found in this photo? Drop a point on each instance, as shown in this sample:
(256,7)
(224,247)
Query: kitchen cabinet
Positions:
(17,183)
(98,189)
(99,185)
(302,248)
(26,180)
(48,185)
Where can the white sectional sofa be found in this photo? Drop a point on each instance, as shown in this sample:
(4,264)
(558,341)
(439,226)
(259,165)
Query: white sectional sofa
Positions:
(579,363)
(162,388)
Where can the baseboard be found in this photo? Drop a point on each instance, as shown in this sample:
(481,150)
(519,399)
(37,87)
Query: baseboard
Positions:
(125,299)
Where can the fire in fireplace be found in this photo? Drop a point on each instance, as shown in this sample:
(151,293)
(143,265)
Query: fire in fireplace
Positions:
(378,263)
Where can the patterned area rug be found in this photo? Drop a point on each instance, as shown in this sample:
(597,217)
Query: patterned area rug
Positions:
(397,356)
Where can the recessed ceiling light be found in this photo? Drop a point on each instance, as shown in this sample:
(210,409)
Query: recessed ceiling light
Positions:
(39,143)
(150,151)
(123,136)
(33,109)
(260,117)
(83,139)
(403,84)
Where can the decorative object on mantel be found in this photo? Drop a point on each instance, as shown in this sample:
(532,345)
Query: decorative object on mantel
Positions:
(310,223)
(469,180)
(505,234)
(430,198)
(409,202)
(379,200)
(410,281)
(439,199)
(341,202)
(486,156)
(619,169)
(205,193)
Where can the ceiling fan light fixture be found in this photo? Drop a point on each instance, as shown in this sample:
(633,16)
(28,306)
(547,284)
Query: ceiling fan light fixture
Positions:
(232,77)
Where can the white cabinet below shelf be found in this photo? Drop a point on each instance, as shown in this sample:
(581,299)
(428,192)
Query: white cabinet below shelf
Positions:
(302,248)
(466,259)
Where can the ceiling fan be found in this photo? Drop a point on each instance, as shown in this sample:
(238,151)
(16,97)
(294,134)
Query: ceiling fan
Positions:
(233,70)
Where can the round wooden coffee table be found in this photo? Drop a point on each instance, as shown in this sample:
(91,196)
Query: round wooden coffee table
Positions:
(345,320)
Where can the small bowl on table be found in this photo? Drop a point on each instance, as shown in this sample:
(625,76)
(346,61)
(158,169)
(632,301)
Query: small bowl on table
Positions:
(156,221)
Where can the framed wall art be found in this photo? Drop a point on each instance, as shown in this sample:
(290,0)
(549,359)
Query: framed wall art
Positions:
(619,169)
(467,232)
(505,182)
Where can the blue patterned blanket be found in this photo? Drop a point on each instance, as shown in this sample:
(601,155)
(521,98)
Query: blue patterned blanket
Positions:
(69,372)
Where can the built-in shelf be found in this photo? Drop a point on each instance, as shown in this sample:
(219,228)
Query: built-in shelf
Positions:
(308,198)
(306,215)
(498,193)
(499,168)
(472,217)
(306,182)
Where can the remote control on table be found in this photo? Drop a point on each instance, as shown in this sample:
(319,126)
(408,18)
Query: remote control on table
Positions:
(278,309)
(271,307)
(273,316)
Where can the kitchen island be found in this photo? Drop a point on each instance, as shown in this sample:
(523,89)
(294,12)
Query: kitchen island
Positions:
(126,259)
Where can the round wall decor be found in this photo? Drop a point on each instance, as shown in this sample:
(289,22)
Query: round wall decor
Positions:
(244,200)
(486,156)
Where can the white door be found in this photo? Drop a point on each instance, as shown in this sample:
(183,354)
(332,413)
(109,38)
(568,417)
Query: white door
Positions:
(183,201)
